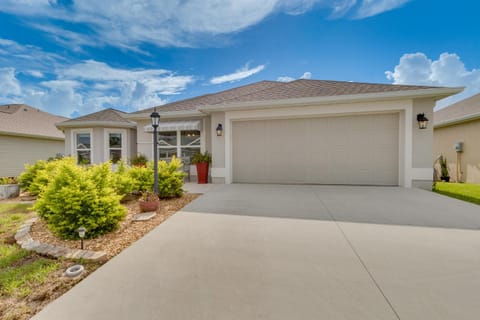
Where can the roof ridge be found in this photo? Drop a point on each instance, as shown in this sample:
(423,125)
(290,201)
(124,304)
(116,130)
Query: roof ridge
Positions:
(205,95)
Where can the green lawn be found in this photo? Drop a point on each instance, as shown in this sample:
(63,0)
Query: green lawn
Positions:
(463,191)
(12,216)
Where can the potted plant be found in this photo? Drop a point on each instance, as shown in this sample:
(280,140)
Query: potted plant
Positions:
(444,169)
(149,201)
(139,161)
(9,187)
(201,161)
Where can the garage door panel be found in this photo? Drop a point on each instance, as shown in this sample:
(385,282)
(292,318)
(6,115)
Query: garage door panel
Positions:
(331,150)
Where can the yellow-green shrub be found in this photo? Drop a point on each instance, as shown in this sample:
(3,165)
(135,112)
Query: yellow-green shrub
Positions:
(80,197)
(170,178)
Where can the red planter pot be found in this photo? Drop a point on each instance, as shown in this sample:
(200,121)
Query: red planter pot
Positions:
(202,172)
(147,206)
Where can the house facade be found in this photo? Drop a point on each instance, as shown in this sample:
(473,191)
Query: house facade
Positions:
(27,135)
(300,132)
(457,136)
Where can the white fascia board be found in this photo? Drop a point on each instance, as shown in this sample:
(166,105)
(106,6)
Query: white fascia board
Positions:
(166,115)
(435,93)
(90,124)
(452,122)
(26,135)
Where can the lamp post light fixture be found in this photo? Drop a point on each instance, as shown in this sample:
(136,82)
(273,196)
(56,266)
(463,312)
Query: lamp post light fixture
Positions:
(219,130)
(81,233)
(155,121)
(422,121)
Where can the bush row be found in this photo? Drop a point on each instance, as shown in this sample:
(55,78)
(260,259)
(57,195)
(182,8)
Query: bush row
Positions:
(72,196)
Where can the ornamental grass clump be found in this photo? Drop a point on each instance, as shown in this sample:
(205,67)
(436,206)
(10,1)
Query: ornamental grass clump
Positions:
(81,197)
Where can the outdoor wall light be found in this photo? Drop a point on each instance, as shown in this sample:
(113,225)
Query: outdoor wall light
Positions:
(219,130)
(155,121)
(81,233)
(422,121)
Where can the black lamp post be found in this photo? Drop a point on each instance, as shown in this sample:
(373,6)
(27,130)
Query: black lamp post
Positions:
(155,120)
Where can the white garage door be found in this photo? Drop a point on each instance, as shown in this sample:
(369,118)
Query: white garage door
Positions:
(356,150)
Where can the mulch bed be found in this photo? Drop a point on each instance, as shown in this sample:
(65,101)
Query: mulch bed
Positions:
(128,232)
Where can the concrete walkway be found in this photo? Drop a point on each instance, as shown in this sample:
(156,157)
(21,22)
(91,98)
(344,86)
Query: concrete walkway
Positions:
(294,252)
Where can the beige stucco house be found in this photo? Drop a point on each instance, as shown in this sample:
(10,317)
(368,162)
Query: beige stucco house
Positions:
(26,135)
(304,131)
(457,137)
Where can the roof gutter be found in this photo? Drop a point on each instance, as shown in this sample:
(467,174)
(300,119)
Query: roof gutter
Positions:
(452,122)
(89,124)
(434,93)
(165,115)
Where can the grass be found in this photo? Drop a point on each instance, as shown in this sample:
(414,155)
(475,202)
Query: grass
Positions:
(12,216)
(19,274)
(463,191)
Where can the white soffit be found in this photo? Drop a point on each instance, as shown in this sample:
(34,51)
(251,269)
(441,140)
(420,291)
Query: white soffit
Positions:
(175,125)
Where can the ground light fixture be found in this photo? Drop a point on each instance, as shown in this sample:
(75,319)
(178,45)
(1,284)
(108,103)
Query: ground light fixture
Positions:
(422,121)
(81,233)
(219,130)
(155,121)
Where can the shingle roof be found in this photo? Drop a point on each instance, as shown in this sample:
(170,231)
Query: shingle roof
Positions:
(458,111)
(272,90)
(21,119)
(107,115)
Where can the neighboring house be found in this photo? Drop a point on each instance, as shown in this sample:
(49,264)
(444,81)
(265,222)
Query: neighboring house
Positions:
(304,131)
(457,137)
(100,136)
(26,135)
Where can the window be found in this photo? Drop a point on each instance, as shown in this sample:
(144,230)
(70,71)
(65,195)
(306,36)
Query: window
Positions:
(115,144)
(83,148)
(115,147)
(182,144)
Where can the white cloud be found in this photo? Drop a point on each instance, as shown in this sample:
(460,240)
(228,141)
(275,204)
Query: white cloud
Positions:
(305,75)
(81,87)
(9,85)
(447,70)
(239,74)
(285,79)
(129,23)
(370,8)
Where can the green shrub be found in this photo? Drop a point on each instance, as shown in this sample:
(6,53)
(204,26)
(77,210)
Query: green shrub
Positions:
(142,178)
(36,177)
(170,178)
(31,171)
(80,197)
(8,180)
(122,181)
(199,157)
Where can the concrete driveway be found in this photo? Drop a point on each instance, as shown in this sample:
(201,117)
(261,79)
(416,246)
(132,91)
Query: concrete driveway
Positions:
(294,252)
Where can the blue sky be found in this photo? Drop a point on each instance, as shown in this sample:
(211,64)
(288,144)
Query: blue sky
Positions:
(72,57)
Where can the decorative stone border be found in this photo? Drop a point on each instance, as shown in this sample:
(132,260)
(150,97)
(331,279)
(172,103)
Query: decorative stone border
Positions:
(24,240)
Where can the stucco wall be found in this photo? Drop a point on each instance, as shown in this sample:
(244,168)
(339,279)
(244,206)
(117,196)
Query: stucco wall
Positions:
(469,164)
(422,139)
(15,152)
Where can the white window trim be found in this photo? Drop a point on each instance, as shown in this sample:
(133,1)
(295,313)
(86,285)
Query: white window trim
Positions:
(179,145)
(106,143)
(74,142)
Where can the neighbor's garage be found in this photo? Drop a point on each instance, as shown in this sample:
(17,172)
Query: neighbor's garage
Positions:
(352,150)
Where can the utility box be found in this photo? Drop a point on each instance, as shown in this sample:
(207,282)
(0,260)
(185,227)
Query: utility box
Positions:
(459,147)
